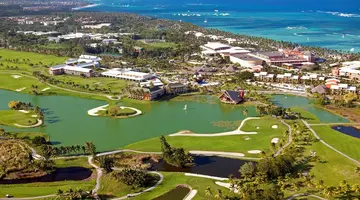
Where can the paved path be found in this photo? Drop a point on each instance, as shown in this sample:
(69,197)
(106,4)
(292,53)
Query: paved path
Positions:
(289,140)
(206,176)
(333,124)
(146,190)
(304,195)
(322,141)
(98,177)
(235,132)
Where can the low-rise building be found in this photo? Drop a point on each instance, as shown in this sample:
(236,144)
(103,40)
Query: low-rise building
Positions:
(127,74)
(245,60)
(176,88)
(153,93)
(232,97)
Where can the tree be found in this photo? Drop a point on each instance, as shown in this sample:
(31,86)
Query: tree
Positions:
(14,105)
(90,149)
(246,113)
(219,194)
(106,163)
(208,191)
(38,140)
(247,170)
(329,191)
(132,177)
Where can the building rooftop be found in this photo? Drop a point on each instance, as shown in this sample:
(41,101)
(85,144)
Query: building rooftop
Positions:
(216,45)
(245,57)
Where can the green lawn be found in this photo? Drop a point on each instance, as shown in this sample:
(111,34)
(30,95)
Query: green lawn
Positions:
(30,135)
(55,46)
(332,167)
(40,189)
(340,141)
(171,180)
(11,117)
(260,141)
(162,45)
(306,115)
(8,82)
(27,61)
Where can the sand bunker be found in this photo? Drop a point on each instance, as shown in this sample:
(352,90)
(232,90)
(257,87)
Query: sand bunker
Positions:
(45,89)
(20,89)
(274,126)
(275,140)
(254,151)
(247,138)
(16,76)
(24,111)
(257,127)
(34,116)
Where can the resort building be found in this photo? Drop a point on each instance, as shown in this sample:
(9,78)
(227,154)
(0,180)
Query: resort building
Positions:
(212,49)
(176,88)
(320,89)
(245,60)
(127,74)
(349,69)
(80,66)
(232,97)
(153,93)
(280,58)
(96,26)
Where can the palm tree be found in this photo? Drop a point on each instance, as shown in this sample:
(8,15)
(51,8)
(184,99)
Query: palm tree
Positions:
(356,188)
(246,113)
(219,194)
(208,191)
(357,170)
(329,191)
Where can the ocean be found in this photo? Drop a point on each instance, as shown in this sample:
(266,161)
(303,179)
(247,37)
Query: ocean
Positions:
(333,24)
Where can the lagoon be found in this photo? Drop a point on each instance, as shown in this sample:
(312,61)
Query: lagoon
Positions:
(67,121)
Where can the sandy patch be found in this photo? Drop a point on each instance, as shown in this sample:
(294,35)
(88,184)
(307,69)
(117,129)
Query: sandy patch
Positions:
(274,126)
(20,89)
(24,111)
(247,138)
(228,186)
(257,127)
(34,116)
(275,140)
(217,153)
(45,89)
(254,151)
(16,76)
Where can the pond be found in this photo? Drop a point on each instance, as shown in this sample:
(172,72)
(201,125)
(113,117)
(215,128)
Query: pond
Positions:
(205,165)
(60,174)
(305,103)
(348,130)
(179,193)
(67,121)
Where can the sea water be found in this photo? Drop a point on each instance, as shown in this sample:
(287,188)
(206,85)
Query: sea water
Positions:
(334,24)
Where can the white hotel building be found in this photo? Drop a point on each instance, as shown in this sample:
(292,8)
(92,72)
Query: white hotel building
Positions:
(127,74)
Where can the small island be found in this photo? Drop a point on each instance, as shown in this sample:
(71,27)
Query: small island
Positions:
(21,115)
(114,111)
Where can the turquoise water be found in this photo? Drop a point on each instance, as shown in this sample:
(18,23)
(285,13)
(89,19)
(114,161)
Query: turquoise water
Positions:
(333,24)
(67,122)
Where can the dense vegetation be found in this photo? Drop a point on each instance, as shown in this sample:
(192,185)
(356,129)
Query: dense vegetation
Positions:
(175,156)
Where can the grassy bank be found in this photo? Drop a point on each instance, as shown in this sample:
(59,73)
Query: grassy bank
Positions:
(11,117)
(340,141)
(40,189)
(237,143)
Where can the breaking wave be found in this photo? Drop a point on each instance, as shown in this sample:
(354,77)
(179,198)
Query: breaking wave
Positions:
(340,14)
(296,28)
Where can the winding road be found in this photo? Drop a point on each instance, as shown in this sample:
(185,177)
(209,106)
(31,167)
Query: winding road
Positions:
(289,140)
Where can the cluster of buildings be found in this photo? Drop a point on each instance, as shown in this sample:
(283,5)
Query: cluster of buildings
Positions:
(83,66)
(290,58)
(347,69)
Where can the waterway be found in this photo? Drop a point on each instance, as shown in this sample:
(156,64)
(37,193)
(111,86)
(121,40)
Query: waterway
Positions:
(348,130)
(60,174)
(67,122)
(205,165)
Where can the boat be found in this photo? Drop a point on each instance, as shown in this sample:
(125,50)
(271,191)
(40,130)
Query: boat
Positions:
(352,49)
(205,21)
(185,107)
(343,36)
